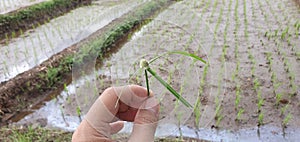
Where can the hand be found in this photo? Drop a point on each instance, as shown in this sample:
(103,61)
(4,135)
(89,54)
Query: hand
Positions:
(127,103)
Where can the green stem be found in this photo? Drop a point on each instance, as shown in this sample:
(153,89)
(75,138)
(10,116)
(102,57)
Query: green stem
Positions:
(147,82)
(165,84)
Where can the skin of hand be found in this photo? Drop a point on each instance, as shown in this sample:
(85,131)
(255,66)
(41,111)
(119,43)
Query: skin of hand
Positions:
(116,105)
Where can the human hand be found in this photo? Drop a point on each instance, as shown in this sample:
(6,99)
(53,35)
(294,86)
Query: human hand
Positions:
(127,103)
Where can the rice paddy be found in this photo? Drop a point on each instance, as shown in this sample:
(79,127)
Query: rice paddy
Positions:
(250,82)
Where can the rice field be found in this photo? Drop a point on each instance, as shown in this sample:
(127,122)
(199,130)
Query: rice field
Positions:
(248,89)
(10,5)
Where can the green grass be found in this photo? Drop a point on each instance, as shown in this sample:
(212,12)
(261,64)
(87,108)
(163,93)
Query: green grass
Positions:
(260,119)
(286,120)
(239,114)
(30,134)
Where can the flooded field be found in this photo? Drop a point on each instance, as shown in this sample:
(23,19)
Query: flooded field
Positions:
(11,5)
(247,91)
(39,44)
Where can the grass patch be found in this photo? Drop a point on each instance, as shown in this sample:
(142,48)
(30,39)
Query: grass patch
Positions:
(29,134)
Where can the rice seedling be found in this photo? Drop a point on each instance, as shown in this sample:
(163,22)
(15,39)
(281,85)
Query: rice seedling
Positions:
(236,17)
(284,33)
(213,10)
(260,119)
(297,27)
(218,116)
(278,98)
(197,108)
(253,11)
(239,114)
(237,96)
(245,20)
(283,109)
(63,115)
(260,103)
(286,120)
(219,20)
(41,45)
(47,38)
(227,22)
(207,4)
(6,71)
(78,111)
(261,9)
(145,65)
(252,59)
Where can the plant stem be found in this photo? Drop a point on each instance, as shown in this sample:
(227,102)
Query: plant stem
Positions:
(165,84)
(147,82)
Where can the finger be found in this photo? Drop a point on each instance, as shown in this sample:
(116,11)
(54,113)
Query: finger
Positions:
(116,126)
(105,108)
(145,123)
(128,115)
(132,95)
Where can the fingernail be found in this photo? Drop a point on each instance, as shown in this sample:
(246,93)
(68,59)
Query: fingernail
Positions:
(151,93)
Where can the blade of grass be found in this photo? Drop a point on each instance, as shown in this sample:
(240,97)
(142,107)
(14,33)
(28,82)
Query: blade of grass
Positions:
(181,53)
(188,54)
(165,84)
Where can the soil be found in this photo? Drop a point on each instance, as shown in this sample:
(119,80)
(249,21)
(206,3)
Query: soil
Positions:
(298,2)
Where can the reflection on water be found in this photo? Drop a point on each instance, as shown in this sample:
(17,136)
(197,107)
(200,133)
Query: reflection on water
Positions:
(267,133)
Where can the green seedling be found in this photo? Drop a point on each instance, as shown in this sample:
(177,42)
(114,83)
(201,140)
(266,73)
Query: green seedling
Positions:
(260,103)
(260,119)
(145,65)
(219,120)
(78,111)
(237,96)
(256,84)
(286,120)
(284,33)
(278,98)
(273,77)
(283,109)
(276,33)
(239,114)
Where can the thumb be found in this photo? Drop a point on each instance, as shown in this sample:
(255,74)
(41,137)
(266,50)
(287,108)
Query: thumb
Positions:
(145,122)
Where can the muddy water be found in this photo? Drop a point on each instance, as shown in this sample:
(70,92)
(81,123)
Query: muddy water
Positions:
(192,29)
(11,5)
(36,46)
